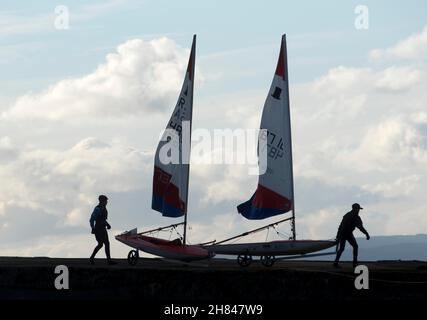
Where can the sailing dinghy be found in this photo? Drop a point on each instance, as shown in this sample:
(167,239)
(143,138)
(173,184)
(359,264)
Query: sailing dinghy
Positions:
(275,191)
(170,185)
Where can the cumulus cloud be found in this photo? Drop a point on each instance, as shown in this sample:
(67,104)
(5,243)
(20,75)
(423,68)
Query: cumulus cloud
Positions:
(141,76)
(387,146)
(7,151)
(401,187)
(226,184)
(358,119)
(396,79)
(413,47)
(63,183)
(357,80)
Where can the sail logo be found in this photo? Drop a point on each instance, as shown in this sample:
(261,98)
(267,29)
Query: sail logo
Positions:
(179,115)
(254,147)
(276,93)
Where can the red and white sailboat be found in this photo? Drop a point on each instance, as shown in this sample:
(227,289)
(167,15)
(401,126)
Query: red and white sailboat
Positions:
(274,194)
(170,184)
(275,191)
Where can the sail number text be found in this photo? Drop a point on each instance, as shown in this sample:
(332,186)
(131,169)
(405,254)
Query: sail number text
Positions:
(274,144)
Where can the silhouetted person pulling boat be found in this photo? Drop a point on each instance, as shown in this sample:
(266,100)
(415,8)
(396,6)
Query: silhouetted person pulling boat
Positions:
(350,221)
(99,225)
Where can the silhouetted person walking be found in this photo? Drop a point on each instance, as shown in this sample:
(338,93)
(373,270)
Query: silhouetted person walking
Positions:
(350,221)
(99,225)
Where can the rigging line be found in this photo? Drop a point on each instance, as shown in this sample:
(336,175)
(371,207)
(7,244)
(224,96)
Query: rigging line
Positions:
(282,235)
(255,230)
(161,228)
(277,231)
(238,239)
(354,276)
(178,233)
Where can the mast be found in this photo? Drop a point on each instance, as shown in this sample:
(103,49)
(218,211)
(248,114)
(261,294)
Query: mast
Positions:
(285,59)
(192,67)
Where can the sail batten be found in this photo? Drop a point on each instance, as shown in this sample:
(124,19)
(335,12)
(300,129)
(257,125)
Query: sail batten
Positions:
(274,193)
(171,179)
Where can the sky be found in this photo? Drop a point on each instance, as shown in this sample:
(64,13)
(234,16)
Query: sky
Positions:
(82,108)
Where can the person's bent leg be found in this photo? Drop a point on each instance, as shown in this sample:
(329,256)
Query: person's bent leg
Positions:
(107,250)
(95,251)
(341,248)
(107,247)
(355,246)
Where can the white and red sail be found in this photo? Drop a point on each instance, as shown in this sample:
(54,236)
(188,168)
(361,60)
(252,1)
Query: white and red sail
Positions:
(170,180)
(274,194)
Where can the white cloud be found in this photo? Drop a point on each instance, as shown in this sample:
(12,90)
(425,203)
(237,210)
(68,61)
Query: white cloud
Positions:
(419,117)
(64,183)
(363,80)
(225,184)
(7,151)
(400,187)
(321,224)
(395,79)
(386,146)
(358,120)
(140,77)
(413,47)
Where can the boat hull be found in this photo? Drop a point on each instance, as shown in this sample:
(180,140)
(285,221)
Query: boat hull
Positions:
(164,248)
(276,248)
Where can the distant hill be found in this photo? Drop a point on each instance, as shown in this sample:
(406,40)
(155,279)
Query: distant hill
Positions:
(412,247)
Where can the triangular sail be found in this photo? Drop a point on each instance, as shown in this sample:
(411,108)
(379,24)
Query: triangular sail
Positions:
(274,194)
(170,180)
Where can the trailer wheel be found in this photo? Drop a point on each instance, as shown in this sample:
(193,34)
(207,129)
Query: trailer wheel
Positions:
(133,256)
(244,260)
(268,261)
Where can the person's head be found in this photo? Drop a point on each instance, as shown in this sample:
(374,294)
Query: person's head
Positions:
(356,207)
(103,200)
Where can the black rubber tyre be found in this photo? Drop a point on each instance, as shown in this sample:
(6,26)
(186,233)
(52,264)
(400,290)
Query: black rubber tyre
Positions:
(244,260)
(133,257)
(268,261)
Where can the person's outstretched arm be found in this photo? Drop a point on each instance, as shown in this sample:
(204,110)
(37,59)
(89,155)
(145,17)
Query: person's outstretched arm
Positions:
(362,229)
